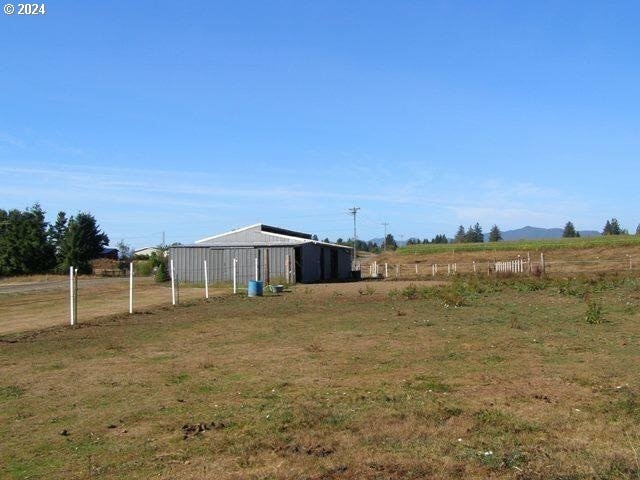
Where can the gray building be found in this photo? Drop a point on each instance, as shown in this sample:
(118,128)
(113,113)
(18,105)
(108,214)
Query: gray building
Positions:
(281,255)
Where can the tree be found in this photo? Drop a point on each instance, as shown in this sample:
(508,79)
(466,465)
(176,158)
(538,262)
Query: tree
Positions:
(473,234)
(326,240)
(390,242)
(570,231)
(24,246)
(83,241)
(413,241)
(638,229)
(440,238)
(314,237)
(495,235)
(125,252)
(57,231)
(477,237)
(612,227)
(460,236)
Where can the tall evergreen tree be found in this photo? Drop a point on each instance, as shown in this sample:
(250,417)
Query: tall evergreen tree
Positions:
(478,237)
(24,246)
(570,231)
(638,229)
(82,242)
(57,231)
(495,235)
(440,238)
(460,236)
(612,227)
(390,242)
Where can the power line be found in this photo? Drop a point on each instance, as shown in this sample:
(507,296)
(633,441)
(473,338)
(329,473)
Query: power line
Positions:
(354,211)
(384,241)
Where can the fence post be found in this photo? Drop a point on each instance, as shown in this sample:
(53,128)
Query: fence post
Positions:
(386,270)
(542,265)
(206,281)
(397,270)
(72,300)
(474,266)
(235,275)
(448,269)
(173,284)
(131,287)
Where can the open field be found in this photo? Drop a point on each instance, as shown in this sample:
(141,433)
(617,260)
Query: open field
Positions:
(605,241)
(568,259)
(28,303)
(473,379)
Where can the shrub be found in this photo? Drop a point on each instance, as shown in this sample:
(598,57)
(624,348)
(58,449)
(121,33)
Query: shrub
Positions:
(161,273)
(594,312)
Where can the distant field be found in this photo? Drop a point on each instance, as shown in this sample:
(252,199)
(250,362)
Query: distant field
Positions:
(475,379)
(524,245)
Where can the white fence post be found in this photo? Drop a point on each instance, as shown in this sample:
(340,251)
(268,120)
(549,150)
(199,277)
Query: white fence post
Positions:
(173,284)
(131,287)
(72,300)
(206,281)
(235,275)
(416,269)
(474,267)
(542,266)
(386,270)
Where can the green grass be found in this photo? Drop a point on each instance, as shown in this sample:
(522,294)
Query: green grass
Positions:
(524,245)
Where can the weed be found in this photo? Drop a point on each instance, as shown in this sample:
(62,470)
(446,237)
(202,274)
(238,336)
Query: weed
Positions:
(367,291)
(11,391)
(594,312)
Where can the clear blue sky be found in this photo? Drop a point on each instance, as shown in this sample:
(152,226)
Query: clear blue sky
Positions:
(196,117)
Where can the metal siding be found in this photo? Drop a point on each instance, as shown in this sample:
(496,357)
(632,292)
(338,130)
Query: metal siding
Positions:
(189,263)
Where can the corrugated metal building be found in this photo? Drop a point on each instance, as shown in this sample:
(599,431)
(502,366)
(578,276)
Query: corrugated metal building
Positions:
(283,256)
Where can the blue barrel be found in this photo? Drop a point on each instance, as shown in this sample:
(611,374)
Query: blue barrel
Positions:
(255,288)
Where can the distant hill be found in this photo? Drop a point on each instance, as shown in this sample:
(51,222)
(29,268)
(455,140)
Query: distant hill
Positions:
(524,233)
(535,233)
(379,241)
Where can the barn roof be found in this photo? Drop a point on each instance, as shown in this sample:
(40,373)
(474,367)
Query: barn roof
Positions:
(289,237)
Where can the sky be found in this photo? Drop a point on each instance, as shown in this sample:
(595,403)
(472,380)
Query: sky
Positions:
(193,118)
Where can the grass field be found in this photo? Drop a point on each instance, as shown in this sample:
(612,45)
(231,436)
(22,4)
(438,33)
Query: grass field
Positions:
(606,241)
(28,303)
(528,379)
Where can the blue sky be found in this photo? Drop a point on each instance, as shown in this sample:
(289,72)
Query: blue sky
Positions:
(196,117)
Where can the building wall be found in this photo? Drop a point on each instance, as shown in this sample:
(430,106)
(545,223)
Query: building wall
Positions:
(316,263)
(189,263)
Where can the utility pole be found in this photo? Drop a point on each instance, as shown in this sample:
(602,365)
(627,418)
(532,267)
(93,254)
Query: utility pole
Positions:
(384,242)
(354,211)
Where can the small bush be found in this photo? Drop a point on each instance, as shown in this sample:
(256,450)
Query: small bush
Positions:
(594,312)
(368,291)
(161,273)
(143,268)
(410,292)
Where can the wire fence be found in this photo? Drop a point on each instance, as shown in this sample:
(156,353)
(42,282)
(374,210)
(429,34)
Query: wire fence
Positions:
(518,266)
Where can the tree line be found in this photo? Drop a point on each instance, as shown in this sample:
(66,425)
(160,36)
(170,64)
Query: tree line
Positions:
(29,244)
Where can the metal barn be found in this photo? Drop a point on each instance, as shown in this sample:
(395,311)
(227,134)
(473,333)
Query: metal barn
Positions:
(275,254)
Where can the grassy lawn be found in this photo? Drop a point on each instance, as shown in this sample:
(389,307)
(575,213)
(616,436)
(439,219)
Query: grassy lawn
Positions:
(529,379)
